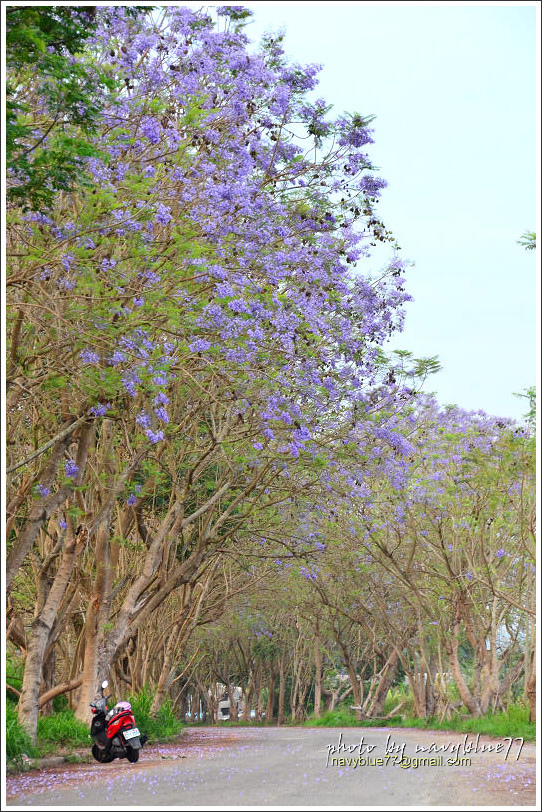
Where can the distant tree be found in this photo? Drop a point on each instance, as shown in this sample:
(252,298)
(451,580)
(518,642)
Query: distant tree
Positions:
(530,395)
(528,240)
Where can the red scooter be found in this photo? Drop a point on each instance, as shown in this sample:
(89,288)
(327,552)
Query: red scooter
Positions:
(114,731)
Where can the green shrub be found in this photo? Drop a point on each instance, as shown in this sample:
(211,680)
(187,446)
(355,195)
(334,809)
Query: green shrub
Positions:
(396,695)
(62,728)
(14,674)
(60,703)
(159,727)
(17,740)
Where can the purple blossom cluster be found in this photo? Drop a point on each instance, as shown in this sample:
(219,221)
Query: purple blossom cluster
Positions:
(89,356)
(309,573)
(100,409)
(71,469)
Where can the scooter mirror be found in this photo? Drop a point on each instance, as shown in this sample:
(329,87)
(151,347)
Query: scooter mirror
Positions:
(105,683)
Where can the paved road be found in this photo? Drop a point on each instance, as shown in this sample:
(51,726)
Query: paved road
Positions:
(237,767)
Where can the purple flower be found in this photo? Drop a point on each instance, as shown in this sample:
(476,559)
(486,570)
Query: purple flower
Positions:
(132,499)
(257,446)
(150,128)
(117,358)
(143,419)
(154,437)
(43,490)
(163,214)
(200,345)
(372,186)
(108,264)
(62,524)
(238,306)
(152,277)
(501,553)
(301,434)
(161,414)
(89,357)
(100,409)
(130,385)
(66,260)
(37,217)
(71,469)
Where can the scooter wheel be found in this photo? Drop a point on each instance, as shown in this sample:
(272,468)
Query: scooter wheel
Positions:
(100,755)
(133,755)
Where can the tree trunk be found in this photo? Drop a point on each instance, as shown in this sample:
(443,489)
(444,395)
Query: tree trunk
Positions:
(258,693)
(172,650)
(234,708)
(318,675)
(48,679)
(530,687)
(97,616)
(248,700)
(469,701)
(355,682)
(28,709)
(98,656)
(165,673)
(386,679)
(270,698)
(282,692)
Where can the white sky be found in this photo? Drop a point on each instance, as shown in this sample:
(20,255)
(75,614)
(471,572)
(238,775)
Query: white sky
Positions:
(454,90)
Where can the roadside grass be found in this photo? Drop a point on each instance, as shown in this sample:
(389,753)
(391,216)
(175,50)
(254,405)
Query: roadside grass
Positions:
(341,716)
(17,740)
(513,722)
(61,730)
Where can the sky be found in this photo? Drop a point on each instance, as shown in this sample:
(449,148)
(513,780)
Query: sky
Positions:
(454,91)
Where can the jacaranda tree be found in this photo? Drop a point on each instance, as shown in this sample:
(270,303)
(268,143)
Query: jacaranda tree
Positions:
(189,342)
